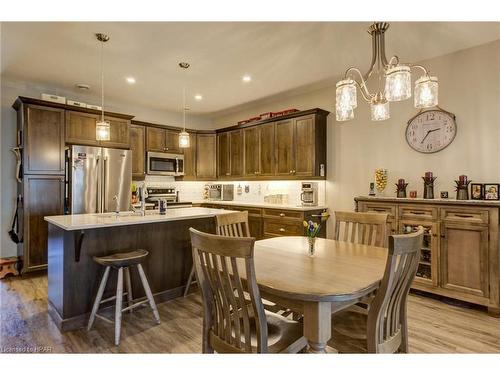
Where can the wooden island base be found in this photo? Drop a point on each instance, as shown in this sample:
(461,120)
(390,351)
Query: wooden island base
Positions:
(73,284)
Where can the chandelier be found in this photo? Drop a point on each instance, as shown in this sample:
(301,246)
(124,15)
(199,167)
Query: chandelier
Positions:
(184,135)
(397,86)
(102,127)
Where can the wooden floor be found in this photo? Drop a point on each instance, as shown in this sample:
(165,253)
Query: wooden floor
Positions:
(434,326)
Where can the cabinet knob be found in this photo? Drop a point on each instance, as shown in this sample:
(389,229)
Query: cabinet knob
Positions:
(282,229)
(228,174)
(294,171)
(291,172)
(282,214)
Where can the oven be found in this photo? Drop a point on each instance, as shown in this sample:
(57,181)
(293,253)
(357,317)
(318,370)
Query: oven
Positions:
(160,163)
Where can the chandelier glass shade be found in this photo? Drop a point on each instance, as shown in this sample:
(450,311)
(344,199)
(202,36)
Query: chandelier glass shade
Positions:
(396,88)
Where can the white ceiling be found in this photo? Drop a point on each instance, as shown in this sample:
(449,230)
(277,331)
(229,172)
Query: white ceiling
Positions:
(279,56)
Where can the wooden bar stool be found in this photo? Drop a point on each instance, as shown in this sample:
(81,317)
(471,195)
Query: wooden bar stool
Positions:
(122,262)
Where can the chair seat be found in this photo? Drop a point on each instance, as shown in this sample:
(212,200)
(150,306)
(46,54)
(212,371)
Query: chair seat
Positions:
(284,335)
(349,331)
(125,259)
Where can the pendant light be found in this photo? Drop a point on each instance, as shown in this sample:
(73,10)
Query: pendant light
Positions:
(102,128)
(184,135)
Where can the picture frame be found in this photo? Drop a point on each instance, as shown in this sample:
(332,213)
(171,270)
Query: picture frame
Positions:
(476,191)
(491,192)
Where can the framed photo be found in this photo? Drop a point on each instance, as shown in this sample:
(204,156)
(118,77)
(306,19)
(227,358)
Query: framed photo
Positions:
(476,191)
(491,192)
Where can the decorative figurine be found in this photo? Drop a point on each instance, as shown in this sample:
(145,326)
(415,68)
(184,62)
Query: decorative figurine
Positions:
(429,185)
(462,188)
(372,189)
(444,195)
(401,188)
(413,194)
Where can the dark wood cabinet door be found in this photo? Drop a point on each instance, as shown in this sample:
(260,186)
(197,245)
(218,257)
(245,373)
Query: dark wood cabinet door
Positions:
(43,196)
(172,141)
(464,258)
(80,128)
(43,140)
(284,147)
(251,139)
(155,139)
(119,133)
(236,153)
(206,162)
(223,160)
(138,148)
(267,150)
(190,158)
(304,146)
(255,225)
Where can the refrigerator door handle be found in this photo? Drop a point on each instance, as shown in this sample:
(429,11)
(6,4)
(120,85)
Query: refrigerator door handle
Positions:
(98,183)
(104,179)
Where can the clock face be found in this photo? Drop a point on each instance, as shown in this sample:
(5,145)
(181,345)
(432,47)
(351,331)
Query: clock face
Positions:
(431,131)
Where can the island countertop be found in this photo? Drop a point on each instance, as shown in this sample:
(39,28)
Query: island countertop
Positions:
(109,219)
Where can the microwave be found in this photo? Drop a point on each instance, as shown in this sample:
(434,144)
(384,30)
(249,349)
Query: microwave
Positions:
(163,164)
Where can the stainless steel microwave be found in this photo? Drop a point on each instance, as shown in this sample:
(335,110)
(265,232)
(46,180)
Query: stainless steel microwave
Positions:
(163,164)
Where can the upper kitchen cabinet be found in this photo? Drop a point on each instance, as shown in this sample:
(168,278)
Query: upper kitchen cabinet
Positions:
(206,160)
(41,134)
(223,155)
(162,140)
(190,158)
(285,147)
(259,158)
(230,154)
(138,148)
(119,133)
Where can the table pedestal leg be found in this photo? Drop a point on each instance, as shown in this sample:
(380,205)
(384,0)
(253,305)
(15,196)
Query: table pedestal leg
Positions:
(317,325)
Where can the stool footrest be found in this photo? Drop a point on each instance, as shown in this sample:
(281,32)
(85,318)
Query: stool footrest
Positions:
(107,320)
(111,298)
(137,304)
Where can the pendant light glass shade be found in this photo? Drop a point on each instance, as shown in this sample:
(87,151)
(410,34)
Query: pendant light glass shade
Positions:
(398,83)
(426,92)
(380,109)
(184,139)
(346,94)
(102,131)
(344,114)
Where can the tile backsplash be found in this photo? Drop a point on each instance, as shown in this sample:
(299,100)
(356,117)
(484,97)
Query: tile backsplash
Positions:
(192,191)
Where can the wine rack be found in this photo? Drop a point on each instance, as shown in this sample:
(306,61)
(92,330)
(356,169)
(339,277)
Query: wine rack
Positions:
(427,267)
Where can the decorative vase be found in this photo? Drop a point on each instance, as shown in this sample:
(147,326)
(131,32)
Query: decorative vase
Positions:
(381,179)
(429,186)
(312,246)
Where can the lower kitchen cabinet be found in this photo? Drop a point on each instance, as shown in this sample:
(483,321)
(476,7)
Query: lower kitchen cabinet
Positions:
(43,196)
(460,257)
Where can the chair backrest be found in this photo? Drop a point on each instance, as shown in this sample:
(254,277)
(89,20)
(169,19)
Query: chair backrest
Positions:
(387,313)
(365,228)
(228,318)
(233,224)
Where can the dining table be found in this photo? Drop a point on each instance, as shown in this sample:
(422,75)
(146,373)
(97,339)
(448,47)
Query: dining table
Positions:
(338,275)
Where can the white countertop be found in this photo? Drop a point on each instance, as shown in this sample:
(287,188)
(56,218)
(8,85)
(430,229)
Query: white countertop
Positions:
(89,221)
(263,205)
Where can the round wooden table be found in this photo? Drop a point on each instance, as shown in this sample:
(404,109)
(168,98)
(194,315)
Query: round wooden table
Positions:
(337,276)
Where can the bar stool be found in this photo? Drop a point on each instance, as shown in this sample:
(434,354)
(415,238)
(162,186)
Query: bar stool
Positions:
(122,262)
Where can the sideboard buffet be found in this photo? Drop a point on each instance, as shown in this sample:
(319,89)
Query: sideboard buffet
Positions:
(460,256)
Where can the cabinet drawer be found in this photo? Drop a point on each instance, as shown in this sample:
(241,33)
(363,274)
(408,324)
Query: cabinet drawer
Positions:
(390,209)
(418,212)
(252,211)
(464,215)
(283,214)
(281,228)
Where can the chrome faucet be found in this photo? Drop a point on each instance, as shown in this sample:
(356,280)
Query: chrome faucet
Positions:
(117,204)
(142,195)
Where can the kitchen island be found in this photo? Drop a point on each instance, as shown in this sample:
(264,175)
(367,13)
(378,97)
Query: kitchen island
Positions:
(73,240)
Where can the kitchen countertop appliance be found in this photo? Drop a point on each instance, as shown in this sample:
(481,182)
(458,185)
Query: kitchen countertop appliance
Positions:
(309,195)
(221,192)
(164,164)
(98,179)
(156,193)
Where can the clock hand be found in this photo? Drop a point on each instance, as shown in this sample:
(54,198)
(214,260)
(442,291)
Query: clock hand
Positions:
(428,132)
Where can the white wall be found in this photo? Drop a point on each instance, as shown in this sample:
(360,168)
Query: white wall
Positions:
(469,88)
(10,90)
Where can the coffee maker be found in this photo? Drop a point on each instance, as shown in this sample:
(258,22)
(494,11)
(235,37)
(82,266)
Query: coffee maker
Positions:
(309,195)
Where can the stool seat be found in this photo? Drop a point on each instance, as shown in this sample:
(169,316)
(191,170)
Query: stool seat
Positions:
(126,259)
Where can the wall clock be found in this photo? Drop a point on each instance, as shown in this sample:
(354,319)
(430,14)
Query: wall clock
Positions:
(431,131)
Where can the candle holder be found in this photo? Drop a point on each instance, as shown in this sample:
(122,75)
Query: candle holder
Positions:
(429,187)
(462,189)
(401,188)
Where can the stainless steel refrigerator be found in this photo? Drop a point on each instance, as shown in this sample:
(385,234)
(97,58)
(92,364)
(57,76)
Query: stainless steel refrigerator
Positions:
(98,179)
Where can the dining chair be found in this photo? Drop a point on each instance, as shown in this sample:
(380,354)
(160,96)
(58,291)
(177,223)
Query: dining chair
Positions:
(225,272)
(383,328)
(367,228)
(232,224)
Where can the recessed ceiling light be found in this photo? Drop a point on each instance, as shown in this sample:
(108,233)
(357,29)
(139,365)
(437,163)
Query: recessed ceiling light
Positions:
(83,86)
(198,96)
(130,80)
(246,78)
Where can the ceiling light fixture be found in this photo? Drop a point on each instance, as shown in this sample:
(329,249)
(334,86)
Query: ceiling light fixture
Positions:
(198,97)
(246,78)
(184,135)
(130,80)
(102,128)
(397,82)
